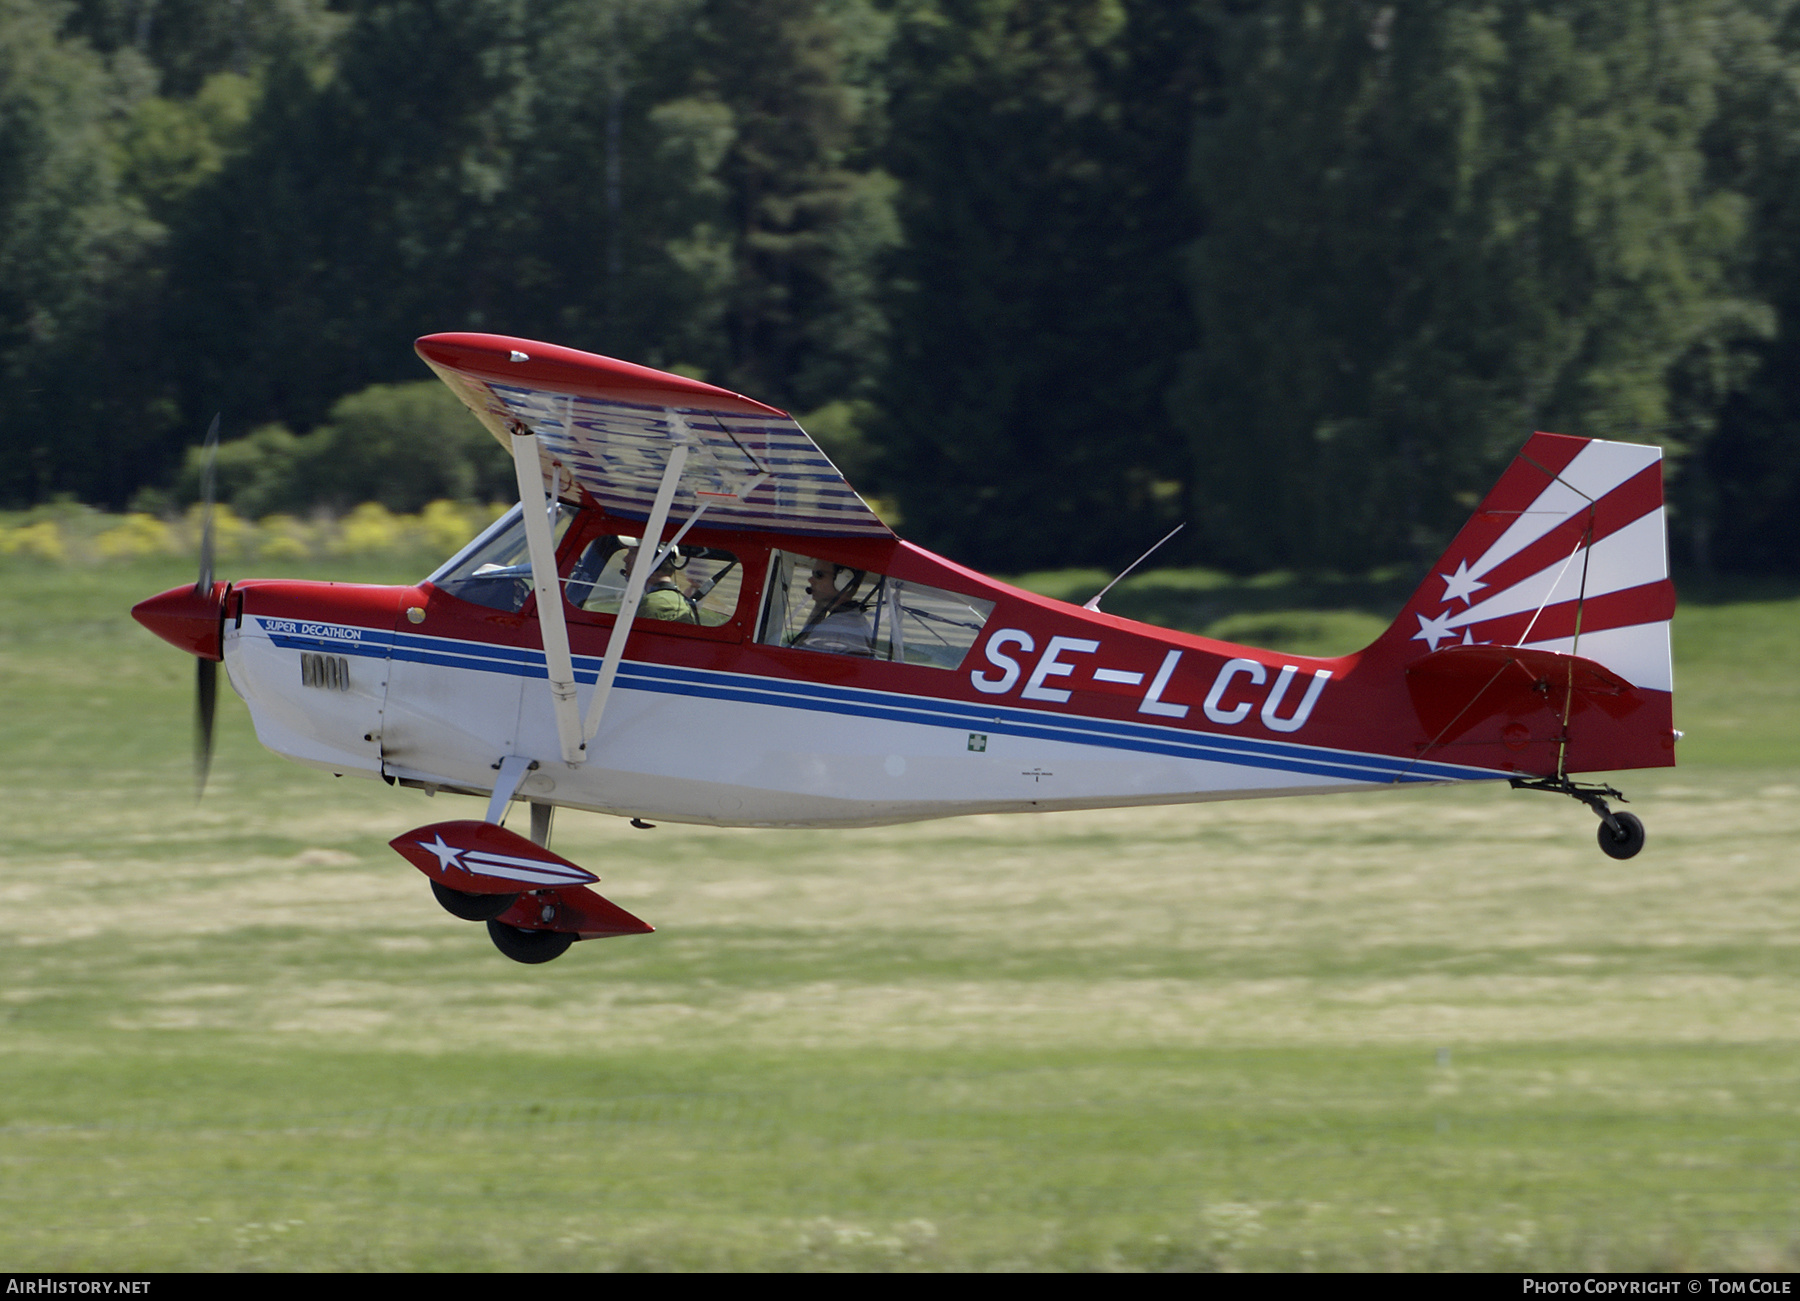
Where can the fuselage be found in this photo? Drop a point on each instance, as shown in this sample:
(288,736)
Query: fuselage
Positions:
(982,698)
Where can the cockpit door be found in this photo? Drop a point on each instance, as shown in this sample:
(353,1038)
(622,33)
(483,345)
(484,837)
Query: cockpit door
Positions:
(460,665)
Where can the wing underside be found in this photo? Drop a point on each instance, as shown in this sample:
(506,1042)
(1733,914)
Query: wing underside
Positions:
(609,428)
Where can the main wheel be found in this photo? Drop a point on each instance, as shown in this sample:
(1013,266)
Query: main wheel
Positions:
(472,907)
(1628,842)
(529,946)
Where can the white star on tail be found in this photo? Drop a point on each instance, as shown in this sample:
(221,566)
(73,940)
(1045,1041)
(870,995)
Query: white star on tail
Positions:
(1434,630)
(1462,585)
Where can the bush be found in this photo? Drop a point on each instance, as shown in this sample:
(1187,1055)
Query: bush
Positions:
(400,445)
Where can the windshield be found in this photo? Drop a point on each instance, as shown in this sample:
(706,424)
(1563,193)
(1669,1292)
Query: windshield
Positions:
(495,569)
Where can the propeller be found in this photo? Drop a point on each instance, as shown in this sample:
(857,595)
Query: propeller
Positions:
(206,681)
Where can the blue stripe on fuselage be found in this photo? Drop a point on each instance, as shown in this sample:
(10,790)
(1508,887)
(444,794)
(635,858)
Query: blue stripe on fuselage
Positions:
(855,702)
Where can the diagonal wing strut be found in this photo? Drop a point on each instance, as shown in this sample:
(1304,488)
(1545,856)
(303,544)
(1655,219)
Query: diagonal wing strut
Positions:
(649,555)
(558,662)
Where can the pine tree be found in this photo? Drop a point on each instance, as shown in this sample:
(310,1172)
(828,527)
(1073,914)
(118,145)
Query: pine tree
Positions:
(1433,228)
(1042,149)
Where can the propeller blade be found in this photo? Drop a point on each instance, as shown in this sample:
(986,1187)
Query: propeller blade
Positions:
(210,457)
(206,700)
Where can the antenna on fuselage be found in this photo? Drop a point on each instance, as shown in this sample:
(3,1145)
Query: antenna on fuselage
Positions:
(1094,602)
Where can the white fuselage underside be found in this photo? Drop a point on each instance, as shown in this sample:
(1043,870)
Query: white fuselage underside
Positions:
(690,745)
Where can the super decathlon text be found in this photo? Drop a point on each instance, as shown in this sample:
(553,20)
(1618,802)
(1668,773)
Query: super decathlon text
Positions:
(292,628)
(72,1286)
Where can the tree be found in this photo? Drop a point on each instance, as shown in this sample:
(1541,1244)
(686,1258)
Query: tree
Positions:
(74,255)
(1039,310)
(402,445)
(1433,228)
(368,206)
(808,216)
(189,41)
(1744,494)
(625,177)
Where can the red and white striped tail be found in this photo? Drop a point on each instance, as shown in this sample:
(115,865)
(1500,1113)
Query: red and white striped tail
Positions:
(1568,553)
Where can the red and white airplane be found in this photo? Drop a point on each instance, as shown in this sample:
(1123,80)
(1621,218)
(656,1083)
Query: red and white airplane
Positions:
(781,659)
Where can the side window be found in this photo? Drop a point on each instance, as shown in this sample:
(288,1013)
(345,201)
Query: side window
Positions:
(819,605)
(495,569)
(697,585)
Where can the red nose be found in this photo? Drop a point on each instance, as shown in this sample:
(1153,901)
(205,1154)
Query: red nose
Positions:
(193,621)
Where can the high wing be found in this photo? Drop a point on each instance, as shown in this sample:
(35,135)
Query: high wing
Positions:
(610,428)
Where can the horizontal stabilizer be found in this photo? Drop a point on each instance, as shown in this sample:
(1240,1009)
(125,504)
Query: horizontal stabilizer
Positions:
(1460,686)
(1536,712)
(482,858)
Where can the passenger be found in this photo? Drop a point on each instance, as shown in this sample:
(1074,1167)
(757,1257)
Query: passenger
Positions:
(837,623)
(664,595)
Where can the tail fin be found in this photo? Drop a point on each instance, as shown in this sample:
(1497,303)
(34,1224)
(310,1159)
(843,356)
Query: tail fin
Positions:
(1565,561)
(1568,553)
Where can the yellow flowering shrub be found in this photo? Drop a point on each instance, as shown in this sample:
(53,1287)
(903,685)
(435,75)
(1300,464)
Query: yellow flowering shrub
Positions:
(136,535)
(41,541)
(371,527)
(282,537)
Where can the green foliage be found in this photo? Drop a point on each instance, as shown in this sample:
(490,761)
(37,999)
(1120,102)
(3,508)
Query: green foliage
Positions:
(256,475)
(628,252)
(1433,228)
(357,209)
(1041,149)
(189,42)
(1056,275)
(808,217)
(404,445)
(401,445)
(74,257)
(171,146)
(841,430)
(1749,480)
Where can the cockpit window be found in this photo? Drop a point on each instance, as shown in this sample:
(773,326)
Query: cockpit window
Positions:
(819,605)
(697,585)
(495,569)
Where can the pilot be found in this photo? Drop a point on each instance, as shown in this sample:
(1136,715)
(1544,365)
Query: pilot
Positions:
(664,595)
(837,623)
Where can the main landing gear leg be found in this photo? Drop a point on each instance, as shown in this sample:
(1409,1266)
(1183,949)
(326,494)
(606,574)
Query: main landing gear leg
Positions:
(1621,834)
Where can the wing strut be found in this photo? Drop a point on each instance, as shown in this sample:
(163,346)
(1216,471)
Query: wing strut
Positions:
(512,772)
(649,555)
(555,633)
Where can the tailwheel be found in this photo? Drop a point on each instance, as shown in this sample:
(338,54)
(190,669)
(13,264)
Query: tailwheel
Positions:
(472,907)
(1621,834)
(1627,840)
(529,946)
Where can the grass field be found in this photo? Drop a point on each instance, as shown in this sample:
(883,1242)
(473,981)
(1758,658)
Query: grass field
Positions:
(1418,1030)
